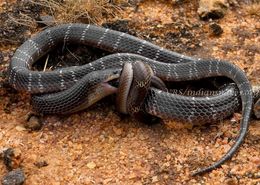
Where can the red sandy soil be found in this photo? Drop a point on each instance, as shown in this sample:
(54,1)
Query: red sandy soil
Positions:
(97,146)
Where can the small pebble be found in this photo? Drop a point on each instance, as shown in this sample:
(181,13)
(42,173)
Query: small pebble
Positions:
(142,137)
(33,122)
(168,157)
(91,165)
(41,164)
(231,181)
(118,131)
(154,179)
(12,158)
(216,29)
(256,160)
(47,20)
(20,128)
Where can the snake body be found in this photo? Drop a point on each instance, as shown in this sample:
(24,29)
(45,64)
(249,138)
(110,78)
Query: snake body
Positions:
(88,90)
(167,65)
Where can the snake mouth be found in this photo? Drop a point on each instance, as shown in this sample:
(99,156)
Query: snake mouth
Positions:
(113,79)
(110,83)
(109,89)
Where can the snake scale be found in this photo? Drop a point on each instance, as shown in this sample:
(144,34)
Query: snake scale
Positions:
(167,65)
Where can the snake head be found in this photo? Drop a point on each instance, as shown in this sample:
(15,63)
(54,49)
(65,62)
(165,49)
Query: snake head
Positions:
(256,109)
(114,74)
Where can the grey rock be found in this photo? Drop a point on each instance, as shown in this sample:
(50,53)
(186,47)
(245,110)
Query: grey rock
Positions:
(15,177)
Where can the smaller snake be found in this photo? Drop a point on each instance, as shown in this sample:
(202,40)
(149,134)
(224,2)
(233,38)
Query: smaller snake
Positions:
(134,83)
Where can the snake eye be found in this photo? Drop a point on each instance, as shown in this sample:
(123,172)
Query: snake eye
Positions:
(116,72)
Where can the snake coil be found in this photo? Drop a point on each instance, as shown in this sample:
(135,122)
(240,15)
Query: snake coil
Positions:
(167,65)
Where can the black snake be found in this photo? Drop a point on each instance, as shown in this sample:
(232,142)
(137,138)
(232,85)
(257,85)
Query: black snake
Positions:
(167,65)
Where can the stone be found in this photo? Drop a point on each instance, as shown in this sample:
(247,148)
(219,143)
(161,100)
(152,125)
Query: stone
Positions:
(15,177)
(12,158)
(212,9)
(155,179)
(215,29)
(91,165)
(33,122)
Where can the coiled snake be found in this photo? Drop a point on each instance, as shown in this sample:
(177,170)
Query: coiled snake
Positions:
(167,65)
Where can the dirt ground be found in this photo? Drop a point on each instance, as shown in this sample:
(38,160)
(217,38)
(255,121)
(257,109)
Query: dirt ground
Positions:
(98,146)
